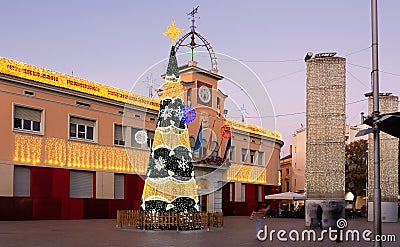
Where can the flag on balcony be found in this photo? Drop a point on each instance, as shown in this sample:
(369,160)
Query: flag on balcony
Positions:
(209,145)
(228,146)
(199,139)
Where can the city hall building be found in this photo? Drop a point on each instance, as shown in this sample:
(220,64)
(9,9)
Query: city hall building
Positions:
(76,149)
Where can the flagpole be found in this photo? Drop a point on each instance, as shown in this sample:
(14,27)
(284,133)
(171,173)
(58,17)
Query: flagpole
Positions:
(228,146)
(220,143)
(210,139)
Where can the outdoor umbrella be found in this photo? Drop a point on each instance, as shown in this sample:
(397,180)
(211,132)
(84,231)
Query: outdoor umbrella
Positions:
(286,196)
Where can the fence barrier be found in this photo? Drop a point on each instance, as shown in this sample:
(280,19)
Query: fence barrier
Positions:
(168,221)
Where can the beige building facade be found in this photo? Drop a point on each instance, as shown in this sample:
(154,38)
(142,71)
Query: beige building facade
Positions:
(299,160)
(299,153)
(75,148)
(287,173)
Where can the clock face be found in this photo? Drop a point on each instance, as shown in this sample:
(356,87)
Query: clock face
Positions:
(204,94)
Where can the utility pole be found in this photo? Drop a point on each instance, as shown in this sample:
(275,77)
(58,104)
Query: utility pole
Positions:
(375,116)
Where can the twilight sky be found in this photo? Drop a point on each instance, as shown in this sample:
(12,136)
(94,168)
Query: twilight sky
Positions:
(116,42)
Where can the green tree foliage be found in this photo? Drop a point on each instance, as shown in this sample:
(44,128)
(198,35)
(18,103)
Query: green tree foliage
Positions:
(356,167)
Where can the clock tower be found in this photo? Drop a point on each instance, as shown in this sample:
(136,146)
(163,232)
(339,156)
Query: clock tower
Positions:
(200,91)
(226,165)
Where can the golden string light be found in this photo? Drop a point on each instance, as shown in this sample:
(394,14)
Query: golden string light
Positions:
(389,154)
(169,189)
(55,151)
(254,129)
(28,149)
(325,147)
(171,137)
(49,77)
(246,174)
(173,32)
(172,89)
(74,154)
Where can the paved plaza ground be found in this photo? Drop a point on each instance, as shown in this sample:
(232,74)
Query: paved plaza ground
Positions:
(237,231)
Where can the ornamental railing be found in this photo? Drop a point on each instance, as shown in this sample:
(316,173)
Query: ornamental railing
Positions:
(168,221)
(215,162)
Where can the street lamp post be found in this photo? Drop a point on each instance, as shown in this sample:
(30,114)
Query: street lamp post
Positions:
(366,184)
(375,115)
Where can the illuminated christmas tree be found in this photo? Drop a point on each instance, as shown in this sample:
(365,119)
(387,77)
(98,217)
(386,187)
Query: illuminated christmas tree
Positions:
(170,185)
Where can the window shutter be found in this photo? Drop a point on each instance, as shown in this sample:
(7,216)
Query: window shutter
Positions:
(27,113)
(243,192)
(232,154)
(81,184)
(22,181)
(118,132)
(82,121)
(217,195)
(119,186)
(260,158)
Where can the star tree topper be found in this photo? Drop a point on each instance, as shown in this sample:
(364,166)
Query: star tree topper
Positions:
(173,32)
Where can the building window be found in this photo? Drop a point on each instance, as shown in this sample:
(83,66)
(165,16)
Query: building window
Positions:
(260,161)
(232,154)
(252,156)
(287,187)
(215,148)
(203,148)
(22,181)
(81,128)
(150,138)
(218,107)
(27,118)
(119,134)
(82,104)
(244,154)
(30,93)
(119,188)
(243,192)
(134,143)
(81,184)
(259,193)
(192,141)
(217,196)
(189,97)
(230,192)
(287,171)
